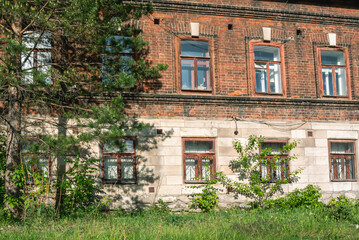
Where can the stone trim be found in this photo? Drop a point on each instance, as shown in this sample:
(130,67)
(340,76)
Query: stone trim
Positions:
(251,12)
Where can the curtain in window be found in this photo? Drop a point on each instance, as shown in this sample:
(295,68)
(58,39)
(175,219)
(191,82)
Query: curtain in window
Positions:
(127,169)
(198,146)
(206,168)
(190,169)
(110,168)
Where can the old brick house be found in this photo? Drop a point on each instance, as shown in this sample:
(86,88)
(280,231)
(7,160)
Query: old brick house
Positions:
(286,70)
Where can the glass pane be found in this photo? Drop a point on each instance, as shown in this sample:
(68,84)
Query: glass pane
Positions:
(118,44)
(127,169)
(30,38)
(264,171)
(278,172)
(43,166)
(261,77)
(333,169)
(274,146)
(339,168)
(27,67)
(275,81)
(266,53)
(340,81)
(198,146)
(125,63)
(113,147)
(110,168)
(190,169)
(351,167)
(332,58)
(206,168)
(194,48)
(327,75)
(342,147)
(203,75)
(187,74)
(44,65)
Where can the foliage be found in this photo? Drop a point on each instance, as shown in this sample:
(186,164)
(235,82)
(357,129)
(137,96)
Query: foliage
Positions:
(341,208)
(78,189)
(2,169)
(248,165)
(206,200)
(308,197)
(158,208)
(73,92)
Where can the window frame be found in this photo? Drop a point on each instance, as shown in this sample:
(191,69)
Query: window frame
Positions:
(126,52)
(347,72)
(34,51)
(210,59)
(119,156)
(284,174)
(198,157)
(330,154)
(31,155)
(280,47)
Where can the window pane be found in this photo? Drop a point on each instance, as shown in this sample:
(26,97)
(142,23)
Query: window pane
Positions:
(340,81)
(27,67)
(203,75)
(30,38)
(198,146)
(261,77)
(128,148)
(190,169)
(43,166)
(187,74)
(274,146)
(118,44)
(127,169)
(275,81)
(339,168)
(206,168)
(194,48)
(266,53)
(327,75)
(332,58)
(112,147)
(342,147)
(110,168)
(44,65)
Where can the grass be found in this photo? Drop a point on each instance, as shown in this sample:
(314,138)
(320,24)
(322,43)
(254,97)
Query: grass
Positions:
(298,223)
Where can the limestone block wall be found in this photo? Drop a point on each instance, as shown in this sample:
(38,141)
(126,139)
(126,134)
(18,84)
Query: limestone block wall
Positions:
(160,170)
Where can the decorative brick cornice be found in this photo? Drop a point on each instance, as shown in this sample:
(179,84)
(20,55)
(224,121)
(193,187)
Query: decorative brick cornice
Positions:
(239,100)
(251,12)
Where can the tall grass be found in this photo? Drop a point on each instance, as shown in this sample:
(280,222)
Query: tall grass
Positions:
(300,223)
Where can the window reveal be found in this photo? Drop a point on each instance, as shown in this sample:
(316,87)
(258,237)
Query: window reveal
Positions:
(342,160)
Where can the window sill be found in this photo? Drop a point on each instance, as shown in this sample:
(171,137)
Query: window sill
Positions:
(348,180)
(336,97)
(117,183)
(270,94)
(196,91)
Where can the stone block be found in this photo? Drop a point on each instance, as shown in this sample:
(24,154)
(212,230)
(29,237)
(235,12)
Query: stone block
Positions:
(297,134)
(199,132)
(170,151)
(316,151)
(225,142)
(173,160)
(170,190)
(198,124)
(321,142)
(171,141)
(228,132)
(342,186)
(313,179)
(172,123)
(343,134)
(174,180)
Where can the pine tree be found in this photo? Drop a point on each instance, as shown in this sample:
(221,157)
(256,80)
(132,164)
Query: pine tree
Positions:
(60,71)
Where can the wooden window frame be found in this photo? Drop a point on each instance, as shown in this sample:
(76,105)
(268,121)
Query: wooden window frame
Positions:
(119,156)
(284,169)
(31,155)
(280,47)
(334,175)
(210,59)
(347,72)
(198,157)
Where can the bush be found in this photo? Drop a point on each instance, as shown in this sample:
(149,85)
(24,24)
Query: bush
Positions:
(341,208)
(308,197)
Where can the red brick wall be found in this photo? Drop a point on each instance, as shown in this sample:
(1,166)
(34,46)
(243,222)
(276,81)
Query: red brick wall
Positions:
(300,27)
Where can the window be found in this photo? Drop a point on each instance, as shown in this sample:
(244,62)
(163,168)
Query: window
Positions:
(199,159)
(117,57)
(342,160)
(119,164)
(195,65)
(35,158)
(275,169)
(267,68)
(333,72)
(36,60)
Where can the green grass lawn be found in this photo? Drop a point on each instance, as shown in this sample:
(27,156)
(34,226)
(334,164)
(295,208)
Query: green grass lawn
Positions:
(298,223)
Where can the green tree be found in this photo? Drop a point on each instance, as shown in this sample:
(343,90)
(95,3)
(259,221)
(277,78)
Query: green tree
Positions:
(256,168)
(60,72)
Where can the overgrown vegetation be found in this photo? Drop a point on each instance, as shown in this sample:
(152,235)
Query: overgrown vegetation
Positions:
(261,171)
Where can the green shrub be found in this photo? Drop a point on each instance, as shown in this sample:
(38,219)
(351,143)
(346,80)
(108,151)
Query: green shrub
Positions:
(159,208)
(308,197)
(341,208)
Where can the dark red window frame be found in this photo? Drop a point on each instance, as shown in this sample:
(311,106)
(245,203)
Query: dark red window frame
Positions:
(198,157)
(119,156)
(280,47)
(346,67)
(284,165)
(344,162)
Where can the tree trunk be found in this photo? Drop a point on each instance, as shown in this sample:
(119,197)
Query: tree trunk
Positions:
(13,150)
